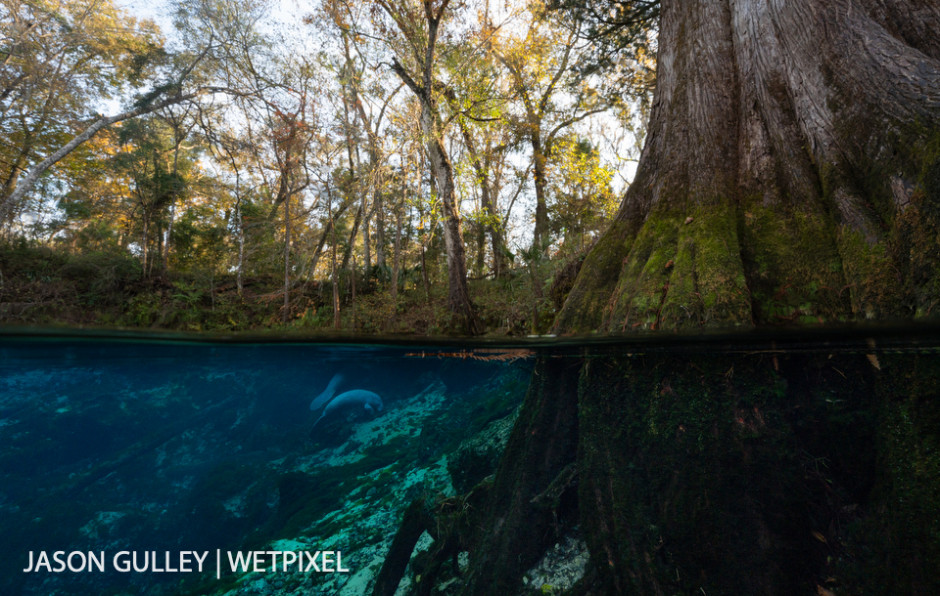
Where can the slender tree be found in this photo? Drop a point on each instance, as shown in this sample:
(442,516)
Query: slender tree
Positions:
(477,103)
(540,68)
(420,27)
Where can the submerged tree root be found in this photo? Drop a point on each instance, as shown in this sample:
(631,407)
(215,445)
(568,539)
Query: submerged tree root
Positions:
(450,523)
(790,472)
(417,519)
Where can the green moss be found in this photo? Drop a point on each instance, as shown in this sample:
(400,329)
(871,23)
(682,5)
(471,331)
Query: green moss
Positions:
(642,284)
(709,274)
(794,268)
(588,303)
(684,270)
(875,294)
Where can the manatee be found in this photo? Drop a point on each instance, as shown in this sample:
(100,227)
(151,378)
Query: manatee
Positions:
(350,400)
(328,393)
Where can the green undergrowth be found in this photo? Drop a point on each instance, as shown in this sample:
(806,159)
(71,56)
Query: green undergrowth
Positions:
(44,286)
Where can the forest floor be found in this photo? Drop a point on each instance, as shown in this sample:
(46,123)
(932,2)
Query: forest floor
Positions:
(45,287)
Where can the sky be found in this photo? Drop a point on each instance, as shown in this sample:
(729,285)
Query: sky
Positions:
(157,10)
(160,11)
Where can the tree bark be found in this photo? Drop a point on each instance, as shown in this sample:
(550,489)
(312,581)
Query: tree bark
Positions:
(788,164)
(540,237)
(791,174)
(396,259)
(328,232)
(347,252)
(333,270)
(240,269)
(378,207)
(179,135)
(481,166)
(375,167)
(458,295)
(285,316)
(145,244)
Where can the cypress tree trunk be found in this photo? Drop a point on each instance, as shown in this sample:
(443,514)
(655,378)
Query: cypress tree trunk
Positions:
(517,529)
(790,172)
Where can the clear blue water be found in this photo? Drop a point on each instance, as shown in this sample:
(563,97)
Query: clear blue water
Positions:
(111,445)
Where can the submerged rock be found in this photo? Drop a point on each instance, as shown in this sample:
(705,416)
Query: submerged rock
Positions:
(561,567)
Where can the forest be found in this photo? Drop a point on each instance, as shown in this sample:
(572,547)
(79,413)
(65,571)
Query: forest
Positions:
(365,167)
(444,167)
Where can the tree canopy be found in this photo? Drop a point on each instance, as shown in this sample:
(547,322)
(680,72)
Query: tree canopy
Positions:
(415,141)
